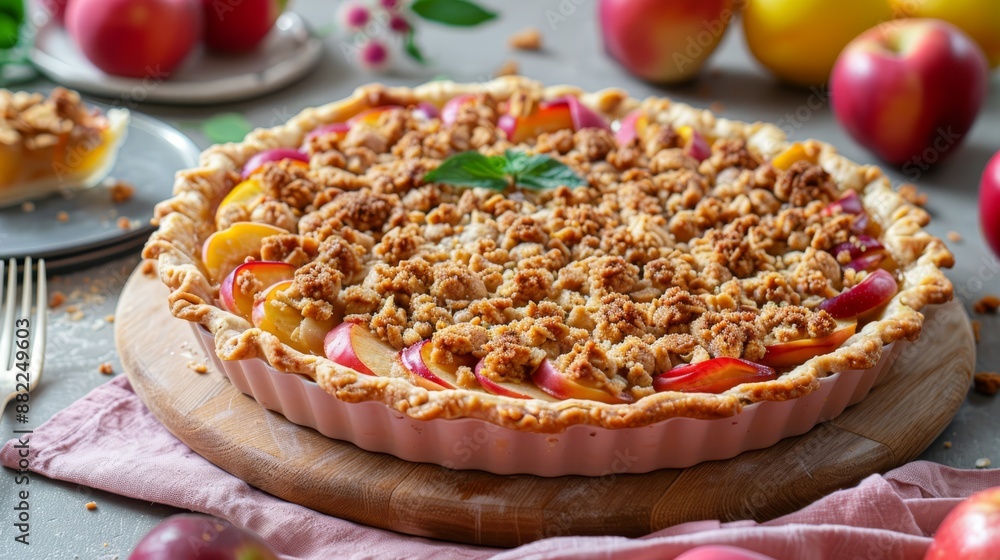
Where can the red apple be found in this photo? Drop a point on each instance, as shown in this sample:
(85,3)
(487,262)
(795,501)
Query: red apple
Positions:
(526,390)
(873,292)
(971,531)
(712,376)
(989,203)
(428,373)
(663,40)
(192,536)
(56,9)
(238,26)
(910,90)
(555,383)
(796,352)
(242,285)
(135,38)
(353,345)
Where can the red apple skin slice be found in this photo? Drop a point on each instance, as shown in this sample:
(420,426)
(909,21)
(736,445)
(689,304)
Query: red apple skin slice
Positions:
(874,291)
(553,382)
(850,203)
(866,262)
(796,352)
(353,345)
(581,115)
(427,373)
(632,126)
(712,376)
(861,245)
(545,119)
(267,273)
(524,390)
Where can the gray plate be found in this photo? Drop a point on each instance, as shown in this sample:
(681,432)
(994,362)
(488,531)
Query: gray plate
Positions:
(286,55)
(148,159)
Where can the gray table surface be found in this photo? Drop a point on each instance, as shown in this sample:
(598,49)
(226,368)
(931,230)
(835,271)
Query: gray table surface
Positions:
(732,83)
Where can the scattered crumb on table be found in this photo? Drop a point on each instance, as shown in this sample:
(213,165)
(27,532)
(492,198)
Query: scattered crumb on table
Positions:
(91,506)
(58,298)
(28,207)
(529,39)
(717,107)
(124,224)
(197,367)
(106,368)
(910,194)
(947,445)
(121,192)
(983,463)
(62,216)
(954,236)
(109,318)
(976,327)
(986,382)
(988,304)
(508,68)
(148,267)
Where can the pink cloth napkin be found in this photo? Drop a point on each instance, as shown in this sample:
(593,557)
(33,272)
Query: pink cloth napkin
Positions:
(109,440)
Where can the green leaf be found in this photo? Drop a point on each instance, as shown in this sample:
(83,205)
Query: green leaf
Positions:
(460,13)
(14,9)
(540,171)
(9,31)
(226,127)
(471,169)
(412,49)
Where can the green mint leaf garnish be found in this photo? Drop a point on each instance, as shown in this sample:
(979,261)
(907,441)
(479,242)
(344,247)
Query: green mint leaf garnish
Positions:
(460,13)
(540,171)
(473,169)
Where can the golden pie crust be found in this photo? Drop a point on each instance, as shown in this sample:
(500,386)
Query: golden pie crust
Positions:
(187,219)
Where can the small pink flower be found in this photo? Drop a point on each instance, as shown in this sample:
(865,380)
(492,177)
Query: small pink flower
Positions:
(389,4)
(354,16)
(399,24)
(374,55)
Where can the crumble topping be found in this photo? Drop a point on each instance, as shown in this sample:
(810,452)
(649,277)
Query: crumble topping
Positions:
(38,122)
(660,260)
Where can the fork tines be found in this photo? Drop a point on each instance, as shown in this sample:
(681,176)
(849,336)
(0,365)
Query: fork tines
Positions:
(15,326)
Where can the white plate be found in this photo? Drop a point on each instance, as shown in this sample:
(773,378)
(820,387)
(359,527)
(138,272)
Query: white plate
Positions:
(286,55)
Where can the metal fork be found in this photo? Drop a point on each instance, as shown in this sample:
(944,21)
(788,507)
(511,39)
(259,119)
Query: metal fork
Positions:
(16,335)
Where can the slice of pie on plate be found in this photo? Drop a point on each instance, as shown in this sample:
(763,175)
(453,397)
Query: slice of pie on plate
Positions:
(54,143)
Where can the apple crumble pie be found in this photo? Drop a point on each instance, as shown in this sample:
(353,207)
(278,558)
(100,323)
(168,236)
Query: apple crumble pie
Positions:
(540,257)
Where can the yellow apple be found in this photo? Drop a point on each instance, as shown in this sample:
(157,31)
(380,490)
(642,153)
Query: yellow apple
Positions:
(979,18)
(799,40)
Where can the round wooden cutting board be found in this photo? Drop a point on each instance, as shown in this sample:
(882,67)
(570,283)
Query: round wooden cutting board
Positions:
(911,404)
